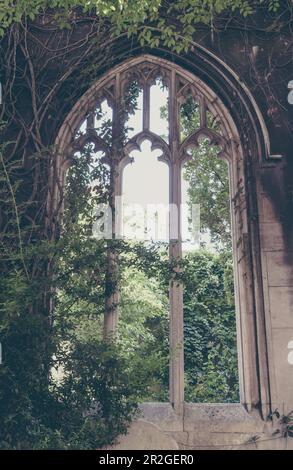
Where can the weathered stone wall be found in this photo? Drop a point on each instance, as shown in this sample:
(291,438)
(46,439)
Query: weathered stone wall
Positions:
(203,427)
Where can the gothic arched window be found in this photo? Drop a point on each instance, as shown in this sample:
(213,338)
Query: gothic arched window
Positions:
(150,107)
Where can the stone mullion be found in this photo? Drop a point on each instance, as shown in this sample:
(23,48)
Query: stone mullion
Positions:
(146,107)
(176,378)
(112,295)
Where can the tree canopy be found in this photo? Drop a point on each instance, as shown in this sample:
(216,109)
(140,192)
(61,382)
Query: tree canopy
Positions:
(173,23)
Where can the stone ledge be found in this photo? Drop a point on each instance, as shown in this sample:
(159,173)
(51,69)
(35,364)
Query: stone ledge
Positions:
(228,417)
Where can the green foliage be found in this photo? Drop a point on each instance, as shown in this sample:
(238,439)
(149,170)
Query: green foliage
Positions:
(38,411)
(93,402)
(39,408)
(144,331)
(25,345)
(209,327)
(147,19)
(96,398)
(211,370)
(207,177)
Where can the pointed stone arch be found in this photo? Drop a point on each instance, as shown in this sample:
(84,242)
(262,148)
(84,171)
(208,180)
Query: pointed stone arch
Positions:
(246,136)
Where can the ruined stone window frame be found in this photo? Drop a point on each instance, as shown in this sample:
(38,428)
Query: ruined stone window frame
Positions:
(253,380)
